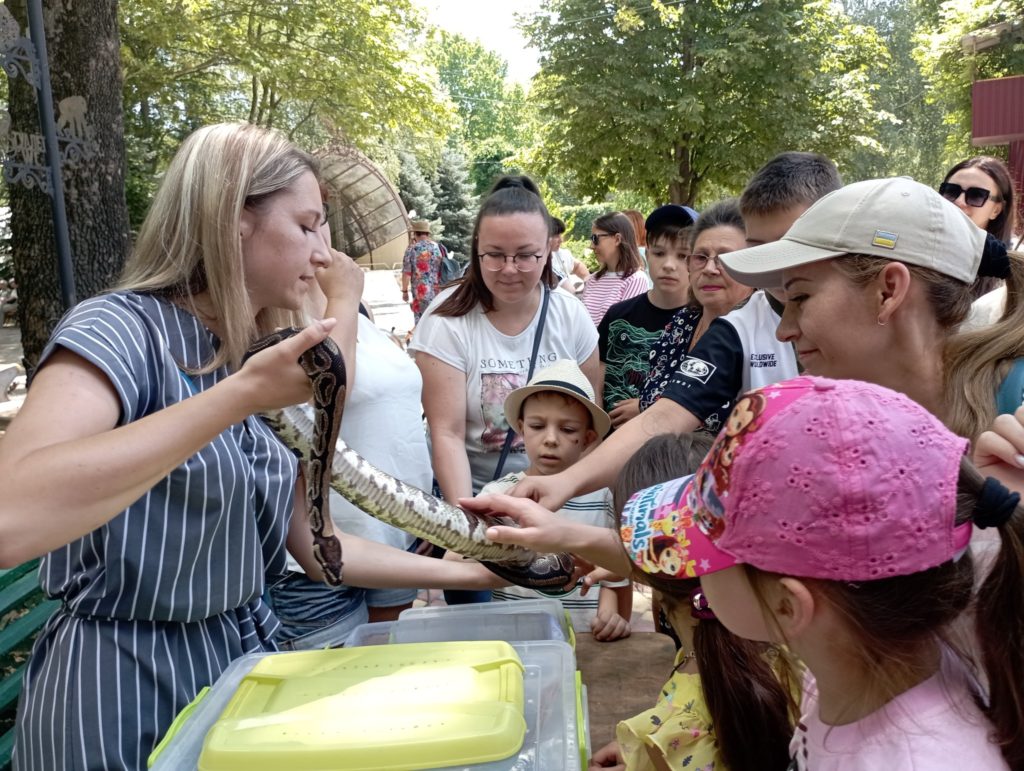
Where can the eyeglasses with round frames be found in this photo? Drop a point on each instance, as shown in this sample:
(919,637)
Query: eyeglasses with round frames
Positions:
(700,261)
(495,261)
(973,196)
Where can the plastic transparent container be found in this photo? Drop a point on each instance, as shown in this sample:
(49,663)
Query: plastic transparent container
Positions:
(377,633)
(488,621)
(556,727)
(510,627)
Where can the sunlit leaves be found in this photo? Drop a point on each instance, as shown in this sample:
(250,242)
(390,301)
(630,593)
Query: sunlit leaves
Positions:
(315,69)
(666,97)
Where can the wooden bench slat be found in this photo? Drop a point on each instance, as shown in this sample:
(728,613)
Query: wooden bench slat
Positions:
(15,595)
(15,633)
(6,748)
(10,687)
(8,577)
(19,587)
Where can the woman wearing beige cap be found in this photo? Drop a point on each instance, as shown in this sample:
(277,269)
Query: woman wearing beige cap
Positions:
(878,277)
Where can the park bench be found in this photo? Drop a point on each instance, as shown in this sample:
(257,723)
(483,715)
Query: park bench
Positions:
(23,612)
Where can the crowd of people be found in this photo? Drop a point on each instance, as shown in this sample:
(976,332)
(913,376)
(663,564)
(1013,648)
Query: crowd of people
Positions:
(796,415)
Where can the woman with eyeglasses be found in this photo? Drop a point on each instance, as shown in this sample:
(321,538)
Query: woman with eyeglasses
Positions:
(621,274)
(982,188)
(713,293)
(475,342)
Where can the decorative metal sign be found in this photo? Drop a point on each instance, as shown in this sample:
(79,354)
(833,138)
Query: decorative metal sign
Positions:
(24,153)
(35,160)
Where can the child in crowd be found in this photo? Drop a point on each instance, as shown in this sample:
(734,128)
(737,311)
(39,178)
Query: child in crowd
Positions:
(724,705)
(835,516)
(809,525)
(556,415)
(630,328)
(621,274)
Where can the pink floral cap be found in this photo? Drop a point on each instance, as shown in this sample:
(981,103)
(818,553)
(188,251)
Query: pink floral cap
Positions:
(831,479)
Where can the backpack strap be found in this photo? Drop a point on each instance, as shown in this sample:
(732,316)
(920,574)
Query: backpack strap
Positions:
(1011,391)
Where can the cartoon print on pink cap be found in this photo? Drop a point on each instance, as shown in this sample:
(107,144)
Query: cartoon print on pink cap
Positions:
(712,479)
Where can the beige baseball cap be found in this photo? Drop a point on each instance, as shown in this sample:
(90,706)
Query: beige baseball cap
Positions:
(565,377)
(895,219)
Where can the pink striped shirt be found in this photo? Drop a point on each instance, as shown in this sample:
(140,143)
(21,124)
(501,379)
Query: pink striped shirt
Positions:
(600,294)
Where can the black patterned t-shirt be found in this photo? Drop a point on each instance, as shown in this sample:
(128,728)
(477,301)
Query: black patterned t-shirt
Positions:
(626,335)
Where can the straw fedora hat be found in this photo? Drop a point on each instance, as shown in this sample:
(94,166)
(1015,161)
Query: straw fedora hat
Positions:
(564,376)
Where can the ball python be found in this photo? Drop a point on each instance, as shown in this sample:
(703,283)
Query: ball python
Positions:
(331,464)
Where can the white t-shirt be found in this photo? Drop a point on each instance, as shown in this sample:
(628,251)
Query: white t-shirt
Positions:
(986,310)
(591,509)
(562,263)
(383,422)
(496,364)
(935,726)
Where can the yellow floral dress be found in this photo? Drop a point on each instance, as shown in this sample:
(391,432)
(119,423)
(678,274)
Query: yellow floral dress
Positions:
(678,728)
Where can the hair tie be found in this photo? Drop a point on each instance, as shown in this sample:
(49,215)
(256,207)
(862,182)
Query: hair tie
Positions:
(699,607)
(995,504)
(994,260)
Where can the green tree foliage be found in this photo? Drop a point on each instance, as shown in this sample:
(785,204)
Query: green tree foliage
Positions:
(490,110)
(662,98)
(456,204)
(315,69)
(414,188)
(911,131)
(998,50)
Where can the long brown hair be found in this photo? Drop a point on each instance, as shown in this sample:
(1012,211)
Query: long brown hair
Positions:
(636,219)
(751,704)
(510,195)
(894,622)
(977,361)
(629,261)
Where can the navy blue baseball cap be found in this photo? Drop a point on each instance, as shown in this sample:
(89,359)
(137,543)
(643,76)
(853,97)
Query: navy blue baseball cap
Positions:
(671,214)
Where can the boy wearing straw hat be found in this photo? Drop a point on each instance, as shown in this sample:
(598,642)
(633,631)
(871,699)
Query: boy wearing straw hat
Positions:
(557,417)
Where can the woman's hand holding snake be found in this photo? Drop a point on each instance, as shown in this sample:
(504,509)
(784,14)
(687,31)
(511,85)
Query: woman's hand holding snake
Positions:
(273,378)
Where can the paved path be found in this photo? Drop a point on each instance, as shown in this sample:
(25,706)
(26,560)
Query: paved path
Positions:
(10,358)
(10,346)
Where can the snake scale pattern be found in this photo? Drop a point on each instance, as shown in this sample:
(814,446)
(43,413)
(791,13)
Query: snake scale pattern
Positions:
(331,464)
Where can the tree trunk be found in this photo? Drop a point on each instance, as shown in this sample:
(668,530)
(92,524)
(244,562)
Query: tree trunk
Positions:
(84,50)
(684,188)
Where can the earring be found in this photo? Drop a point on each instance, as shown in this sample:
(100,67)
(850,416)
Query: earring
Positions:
(881,323)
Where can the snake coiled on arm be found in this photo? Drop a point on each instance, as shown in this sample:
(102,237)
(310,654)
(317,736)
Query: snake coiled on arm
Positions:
(331,464)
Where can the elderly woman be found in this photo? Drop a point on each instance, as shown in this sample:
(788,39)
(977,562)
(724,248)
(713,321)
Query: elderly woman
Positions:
(713,293)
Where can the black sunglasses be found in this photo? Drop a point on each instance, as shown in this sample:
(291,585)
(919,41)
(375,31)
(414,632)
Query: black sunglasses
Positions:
(973,196)
(595,238)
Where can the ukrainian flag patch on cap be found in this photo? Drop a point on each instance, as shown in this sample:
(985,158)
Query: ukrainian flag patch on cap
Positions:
(884,239)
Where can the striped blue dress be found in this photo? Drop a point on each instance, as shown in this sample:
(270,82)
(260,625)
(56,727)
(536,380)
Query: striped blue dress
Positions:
(157,602)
